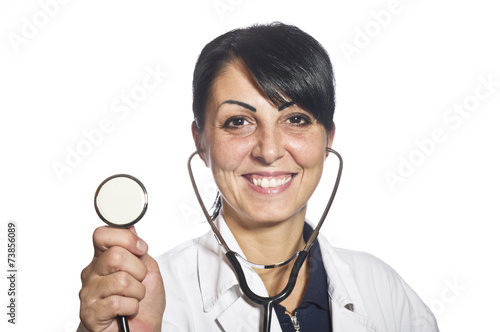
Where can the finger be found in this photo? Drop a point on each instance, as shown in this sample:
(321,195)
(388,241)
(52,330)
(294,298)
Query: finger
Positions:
(120,305)
(117,259)
(104,311)
(106,237)
(150,263)
(119,283)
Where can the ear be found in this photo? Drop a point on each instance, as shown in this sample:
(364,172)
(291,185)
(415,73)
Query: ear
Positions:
(197,141)
(329,139)
(331,135)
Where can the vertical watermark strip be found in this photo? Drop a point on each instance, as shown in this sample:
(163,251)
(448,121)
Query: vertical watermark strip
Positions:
(12,274)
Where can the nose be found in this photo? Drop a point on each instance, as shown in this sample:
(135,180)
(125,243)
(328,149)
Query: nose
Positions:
(269,145)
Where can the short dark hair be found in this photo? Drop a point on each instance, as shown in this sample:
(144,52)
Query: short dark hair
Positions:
(288,64)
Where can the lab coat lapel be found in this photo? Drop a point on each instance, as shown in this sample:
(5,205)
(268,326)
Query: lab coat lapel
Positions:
(341,285)
(344,320)
(346,306)
(215,274)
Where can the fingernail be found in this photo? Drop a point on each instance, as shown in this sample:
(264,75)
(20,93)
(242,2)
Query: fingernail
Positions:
(142,246)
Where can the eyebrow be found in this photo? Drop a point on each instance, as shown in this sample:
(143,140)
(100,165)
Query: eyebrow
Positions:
(285,105)
(251,108)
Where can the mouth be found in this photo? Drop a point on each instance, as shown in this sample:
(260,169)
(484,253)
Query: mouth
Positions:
(273,181)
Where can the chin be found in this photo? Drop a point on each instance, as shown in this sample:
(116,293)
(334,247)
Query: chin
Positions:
(272,216)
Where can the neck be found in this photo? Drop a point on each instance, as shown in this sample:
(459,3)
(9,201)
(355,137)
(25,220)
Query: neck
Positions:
(267,242)
(270,243)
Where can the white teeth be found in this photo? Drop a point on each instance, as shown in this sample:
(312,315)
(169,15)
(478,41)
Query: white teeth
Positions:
(270,183)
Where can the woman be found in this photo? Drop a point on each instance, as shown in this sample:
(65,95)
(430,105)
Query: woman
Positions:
(263,107)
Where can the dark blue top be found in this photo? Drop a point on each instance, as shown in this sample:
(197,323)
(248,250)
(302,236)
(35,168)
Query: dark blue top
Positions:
(313,313)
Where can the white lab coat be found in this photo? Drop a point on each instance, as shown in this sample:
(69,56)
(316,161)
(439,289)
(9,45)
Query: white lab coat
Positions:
(203,294)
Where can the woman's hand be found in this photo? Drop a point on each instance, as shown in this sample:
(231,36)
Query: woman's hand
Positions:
(121,280)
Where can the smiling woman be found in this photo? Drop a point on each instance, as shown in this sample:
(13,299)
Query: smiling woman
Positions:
(263,123)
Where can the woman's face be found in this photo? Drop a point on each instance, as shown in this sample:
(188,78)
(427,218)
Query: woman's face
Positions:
(266,160)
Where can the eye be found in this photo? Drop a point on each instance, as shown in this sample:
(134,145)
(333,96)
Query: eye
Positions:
(235,122)
(299,119)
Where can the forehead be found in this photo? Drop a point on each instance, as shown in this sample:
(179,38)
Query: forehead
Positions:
(236,83)
(235,80)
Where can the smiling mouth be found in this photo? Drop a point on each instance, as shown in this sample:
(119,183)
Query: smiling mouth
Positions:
(269,181)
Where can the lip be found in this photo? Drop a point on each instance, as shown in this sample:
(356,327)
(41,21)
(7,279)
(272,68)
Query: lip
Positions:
(277,181)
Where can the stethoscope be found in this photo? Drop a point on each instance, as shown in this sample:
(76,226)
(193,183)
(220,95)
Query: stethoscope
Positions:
(121,201)
(233,257)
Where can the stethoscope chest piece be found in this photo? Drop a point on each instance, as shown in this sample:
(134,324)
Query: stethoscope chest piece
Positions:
(121,200)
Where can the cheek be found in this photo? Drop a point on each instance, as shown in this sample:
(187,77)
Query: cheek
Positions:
(308,151)
(219,152)
(228,154)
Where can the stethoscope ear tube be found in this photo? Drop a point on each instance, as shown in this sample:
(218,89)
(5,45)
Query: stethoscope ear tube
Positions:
(315,233)
(217,234)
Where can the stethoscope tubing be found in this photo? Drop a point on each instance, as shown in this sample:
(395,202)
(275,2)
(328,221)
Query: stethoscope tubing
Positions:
(267,302)
(232,256)
(123,323)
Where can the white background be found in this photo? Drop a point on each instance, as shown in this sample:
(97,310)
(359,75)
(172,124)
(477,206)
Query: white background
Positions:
(60,79)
